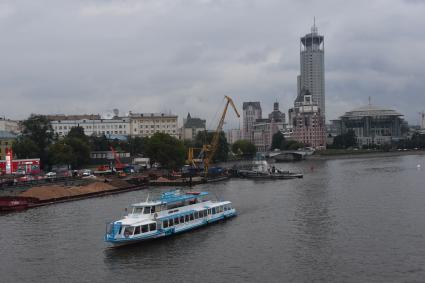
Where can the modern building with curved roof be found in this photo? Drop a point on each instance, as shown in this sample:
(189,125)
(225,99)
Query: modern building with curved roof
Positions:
(373,125)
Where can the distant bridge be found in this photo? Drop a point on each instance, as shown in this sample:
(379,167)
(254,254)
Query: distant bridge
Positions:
(288,155)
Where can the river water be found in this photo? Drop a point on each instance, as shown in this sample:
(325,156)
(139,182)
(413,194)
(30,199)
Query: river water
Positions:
(351,220)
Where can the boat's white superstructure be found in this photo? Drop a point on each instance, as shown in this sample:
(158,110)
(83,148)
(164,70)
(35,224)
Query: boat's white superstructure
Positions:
(174,212)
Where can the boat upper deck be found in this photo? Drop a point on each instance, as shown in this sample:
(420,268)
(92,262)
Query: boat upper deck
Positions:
(172,197)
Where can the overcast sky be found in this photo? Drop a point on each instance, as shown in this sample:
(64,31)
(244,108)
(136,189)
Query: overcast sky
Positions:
(185,55)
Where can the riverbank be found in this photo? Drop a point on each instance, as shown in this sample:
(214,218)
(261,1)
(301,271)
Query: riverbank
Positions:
(344,154)
(35,196)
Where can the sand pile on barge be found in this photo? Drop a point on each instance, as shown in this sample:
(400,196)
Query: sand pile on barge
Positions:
(118,183)
(163,180)
(52,192)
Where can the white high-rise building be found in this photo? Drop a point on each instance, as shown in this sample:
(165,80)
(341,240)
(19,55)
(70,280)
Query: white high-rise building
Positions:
(233,136)
(251,112)
(312,61)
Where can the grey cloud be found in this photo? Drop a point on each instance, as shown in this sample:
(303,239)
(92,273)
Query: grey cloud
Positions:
(185,55)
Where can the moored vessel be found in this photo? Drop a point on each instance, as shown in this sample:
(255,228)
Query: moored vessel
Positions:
(174,212)
(262,170)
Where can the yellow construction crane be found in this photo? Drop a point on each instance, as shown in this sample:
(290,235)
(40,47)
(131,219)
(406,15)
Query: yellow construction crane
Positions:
(210,149)
(191,160)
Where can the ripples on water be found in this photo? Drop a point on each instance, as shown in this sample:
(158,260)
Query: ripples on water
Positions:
(359,220)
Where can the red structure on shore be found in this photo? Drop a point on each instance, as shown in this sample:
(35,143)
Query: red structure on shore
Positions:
(22,166)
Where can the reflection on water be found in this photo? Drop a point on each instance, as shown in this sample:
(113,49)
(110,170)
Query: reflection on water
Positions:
(347,220)
(314,227)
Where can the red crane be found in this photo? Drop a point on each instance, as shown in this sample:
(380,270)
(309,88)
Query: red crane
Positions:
(119,166)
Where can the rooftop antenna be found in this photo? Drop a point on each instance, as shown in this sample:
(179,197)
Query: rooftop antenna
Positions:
(314,28)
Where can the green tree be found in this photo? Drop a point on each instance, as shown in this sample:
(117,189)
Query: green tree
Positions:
(222,151)
(61,153)
(74,149)
(293,145)
(345,140)
(417,140)
(244,147)
(137,145)
(78,132)
(80,150)
(37,135)
(166,150)
(25,147)
(278,141)
(98,143)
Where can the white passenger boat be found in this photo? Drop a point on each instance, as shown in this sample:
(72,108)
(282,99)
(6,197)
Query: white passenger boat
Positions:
(173,212)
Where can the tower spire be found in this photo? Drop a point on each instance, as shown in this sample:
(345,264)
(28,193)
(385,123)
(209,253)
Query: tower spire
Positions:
(314,28)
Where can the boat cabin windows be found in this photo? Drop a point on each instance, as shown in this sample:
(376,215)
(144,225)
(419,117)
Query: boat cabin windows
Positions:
(152,227)
(137,210)
(183,219)
(128,231)
(137,230)
(227,207)
(144,210)
(213,210)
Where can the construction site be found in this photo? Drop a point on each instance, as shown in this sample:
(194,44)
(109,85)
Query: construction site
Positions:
(22,191)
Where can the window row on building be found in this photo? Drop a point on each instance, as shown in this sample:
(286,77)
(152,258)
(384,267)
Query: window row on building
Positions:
(143,125)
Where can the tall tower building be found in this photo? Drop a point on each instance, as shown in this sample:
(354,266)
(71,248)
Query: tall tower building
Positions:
(312,76)
(251,112)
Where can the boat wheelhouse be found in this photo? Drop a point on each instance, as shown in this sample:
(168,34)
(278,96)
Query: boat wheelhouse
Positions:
(173,212)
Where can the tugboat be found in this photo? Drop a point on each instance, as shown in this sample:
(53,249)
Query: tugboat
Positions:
(174,212)
(262,170)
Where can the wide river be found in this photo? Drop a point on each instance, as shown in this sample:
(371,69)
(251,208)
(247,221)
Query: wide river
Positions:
(351,220)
